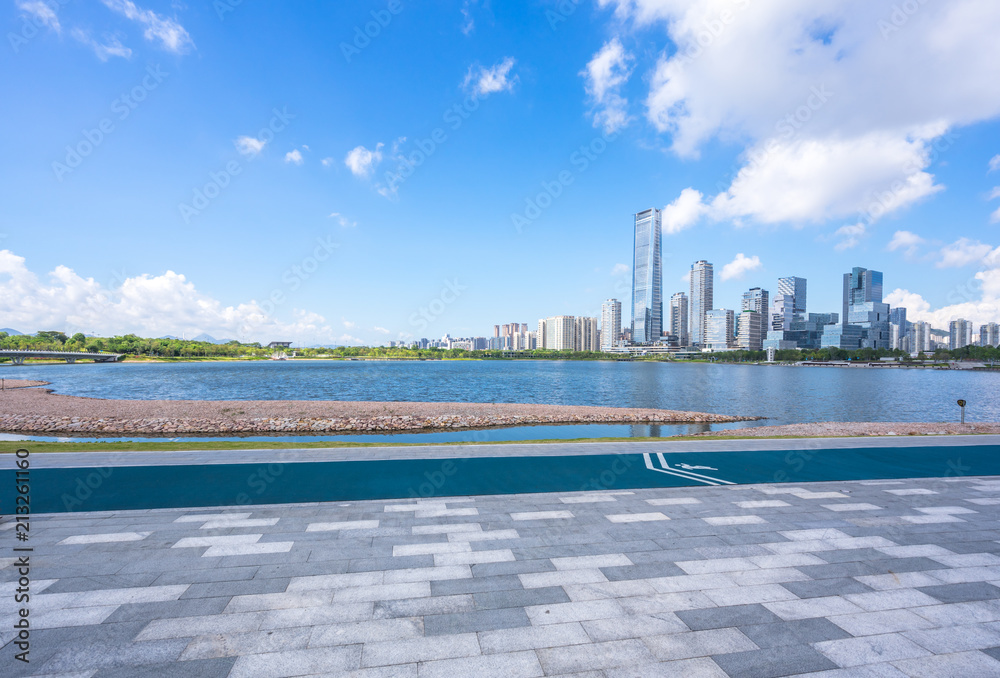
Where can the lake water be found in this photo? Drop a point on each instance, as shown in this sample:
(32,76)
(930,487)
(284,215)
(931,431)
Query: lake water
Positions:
(783,394)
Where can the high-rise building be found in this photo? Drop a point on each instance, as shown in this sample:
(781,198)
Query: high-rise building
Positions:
(702,299)
(782,312)
(864,310)
(560,333)
(898,329)
(796,289)
(920,338)
(719,330)
(647,278)
(611,323)
(959,333)
(751,330)
(755,299)
(586,335)
(989,335)
(679,318)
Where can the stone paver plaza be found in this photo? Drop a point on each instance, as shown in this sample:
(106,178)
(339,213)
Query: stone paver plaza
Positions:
(870,578)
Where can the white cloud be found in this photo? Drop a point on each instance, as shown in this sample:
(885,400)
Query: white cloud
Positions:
(112,48)
(995,163)
(485,81)
(148,305)
(823,93)
(350,325)
(294,156)
(963,252)
(170,34)
(995,193)
(906,241)
(739,267)
(327,162)
(683,212)
(43,13)
(381,330)
(850,235)
(249,146)
(468,23)
(362,162)
(620,269)
(605,75)
(342,220)
(979,312)
(995,217)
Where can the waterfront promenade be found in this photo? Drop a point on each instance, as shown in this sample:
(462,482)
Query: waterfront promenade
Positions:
(891,576)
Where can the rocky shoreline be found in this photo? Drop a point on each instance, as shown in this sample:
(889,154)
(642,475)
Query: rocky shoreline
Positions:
(40,411)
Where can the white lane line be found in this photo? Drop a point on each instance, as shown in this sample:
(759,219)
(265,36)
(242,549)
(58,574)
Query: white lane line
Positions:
(663,461)
(649,465)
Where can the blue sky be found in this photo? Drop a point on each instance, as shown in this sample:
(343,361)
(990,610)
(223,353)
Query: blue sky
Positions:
(884,163)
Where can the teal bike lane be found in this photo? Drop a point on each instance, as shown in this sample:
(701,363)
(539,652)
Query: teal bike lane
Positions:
(57,490)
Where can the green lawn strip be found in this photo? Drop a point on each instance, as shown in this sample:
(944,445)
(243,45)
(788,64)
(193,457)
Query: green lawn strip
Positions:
(180,445)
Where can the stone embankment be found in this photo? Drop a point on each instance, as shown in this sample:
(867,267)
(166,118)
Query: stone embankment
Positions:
(35,410)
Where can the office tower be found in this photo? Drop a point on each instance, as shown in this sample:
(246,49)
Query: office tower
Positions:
(863,311)
(898,329)
(541,338)
(751,330)
(755,299)
(611,323)
(959,332)
(796,289)
(702,300)
(989,335)
(647,278)
(679,318)
(585,335)
(496,330)
(719,329)
(782,312)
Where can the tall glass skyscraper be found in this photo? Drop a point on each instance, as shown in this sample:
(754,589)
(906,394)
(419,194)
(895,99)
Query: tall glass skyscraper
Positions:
(647,278)
(679,318)
(702,299)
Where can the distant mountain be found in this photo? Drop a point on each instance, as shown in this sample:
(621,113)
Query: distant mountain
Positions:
(208,338)
(169,336)
(10,332)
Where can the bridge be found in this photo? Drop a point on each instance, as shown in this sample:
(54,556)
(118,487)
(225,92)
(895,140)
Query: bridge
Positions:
(17,357)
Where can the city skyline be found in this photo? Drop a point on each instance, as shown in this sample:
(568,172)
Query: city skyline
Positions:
(248,192)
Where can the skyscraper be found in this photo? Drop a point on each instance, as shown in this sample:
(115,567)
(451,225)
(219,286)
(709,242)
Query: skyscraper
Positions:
(611,323)
(959,333)
(863,307)
(647,278)
(755,299)
(898,329)
(751,330)
(796,289)
(679,318)
(989,335)
(586,335)
(702,300)
(719,329)
(921,338)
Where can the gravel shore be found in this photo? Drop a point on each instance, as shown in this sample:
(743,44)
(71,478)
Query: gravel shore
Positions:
(37,410)
(834,428)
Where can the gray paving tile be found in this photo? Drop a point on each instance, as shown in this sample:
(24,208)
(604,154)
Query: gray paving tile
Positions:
(190,607)
(800,632)
(489,600)
(240,587)
(958,665)
(643,571)
(203,668)
(70,658)
(449,587)
(724,617)
(825,587)
(474,621)
(870,650)
(593,656)
(791,660)
(961,593)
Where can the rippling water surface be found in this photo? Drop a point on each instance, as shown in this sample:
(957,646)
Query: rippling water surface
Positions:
(783,394)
